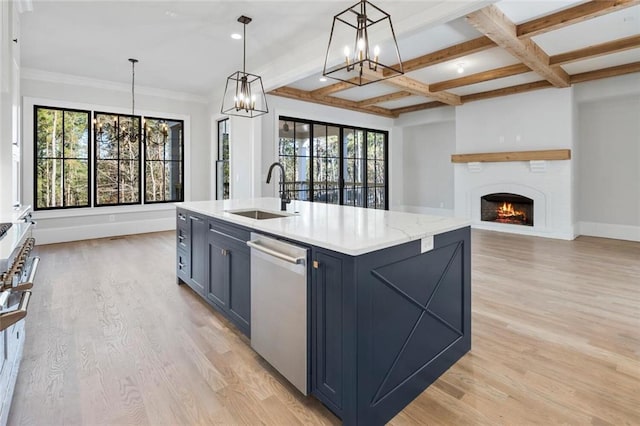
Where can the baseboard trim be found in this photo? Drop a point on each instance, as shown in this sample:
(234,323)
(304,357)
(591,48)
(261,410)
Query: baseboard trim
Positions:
(103,230)
(608,230)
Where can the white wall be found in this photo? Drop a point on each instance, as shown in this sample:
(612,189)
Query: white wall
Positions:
(67,91)
(608,178)
(428,171)
(537,120)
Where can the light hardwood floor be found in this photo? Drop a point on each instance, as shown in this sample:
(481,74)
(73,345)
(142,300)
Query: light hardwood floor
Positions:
(111,339)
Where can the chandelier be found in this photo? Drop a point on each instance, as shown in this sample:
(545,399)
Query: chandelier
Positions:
(364,43)
(127,129)
(244,94)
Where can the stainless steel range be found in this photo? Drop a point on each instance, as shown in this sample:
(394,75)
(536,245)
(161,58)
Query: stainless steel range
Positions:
(17,272)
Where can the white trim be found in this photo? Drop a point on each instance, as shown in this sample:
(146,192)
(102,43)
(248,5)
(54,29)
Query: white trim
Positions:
(59,78)
(103,230)
(609,230)
(97,211)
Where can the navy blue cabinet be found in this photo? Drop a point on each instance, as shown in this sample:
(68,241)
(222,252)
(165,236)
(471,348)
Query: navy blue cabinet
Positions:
(327,323)
(229,274)
(213,259)
(218,288)
(191,243)
(386,324)
(198,241)
(383,326)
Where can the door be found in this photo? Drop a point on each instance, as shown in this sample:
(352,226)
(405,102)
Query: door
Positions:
(218,282)
(239,283)
(327,380)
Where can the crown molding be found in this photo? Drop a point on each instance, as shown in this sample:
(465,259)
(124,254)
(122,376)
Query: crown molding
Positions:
(75,80)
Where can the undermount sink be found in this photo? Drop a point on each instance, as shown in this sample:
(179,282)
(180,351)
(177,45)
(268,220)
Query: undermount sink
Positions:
(259,214)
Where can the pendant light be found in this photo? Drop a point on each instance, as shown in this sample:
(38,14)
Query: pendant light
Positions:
(362,46)
(244,94)
(126,131)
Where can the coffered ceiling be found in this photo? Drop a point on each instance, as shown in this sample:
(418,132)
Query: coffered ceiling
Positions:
(508,47)
(185,46)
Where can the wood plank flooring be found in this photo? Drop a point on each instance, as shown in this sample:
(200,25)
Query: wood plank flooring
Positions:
(111,339)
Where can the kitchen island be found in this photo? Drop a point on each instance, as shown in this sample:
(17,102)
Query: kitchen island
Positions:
(389,293)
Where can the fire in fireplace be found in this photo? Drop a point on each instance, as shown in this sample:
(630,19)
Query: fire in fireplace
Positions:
(507,208)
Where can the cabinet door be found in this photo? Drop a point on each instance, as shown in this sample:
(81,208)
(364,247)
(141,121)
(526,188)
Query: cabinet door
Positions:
(327,348)
(240,284)
(198,245)
(218,287)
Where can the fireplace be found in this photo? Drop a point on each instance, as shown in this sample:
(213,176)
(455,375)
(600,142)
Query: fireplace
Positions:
(506,208)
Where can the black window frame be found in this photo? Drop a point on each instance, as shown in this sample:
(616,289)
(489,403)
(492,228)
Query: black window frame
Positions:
(144,166)
(220,162)
(364,158)
(95,161)
(92,160)
(89,158)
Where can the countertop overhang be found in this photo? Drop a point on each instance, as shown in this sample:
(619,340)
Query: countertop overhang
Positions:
(344,229)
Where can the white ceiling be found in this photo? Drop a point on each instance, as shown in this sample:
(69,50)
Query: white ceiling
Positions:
(185,45)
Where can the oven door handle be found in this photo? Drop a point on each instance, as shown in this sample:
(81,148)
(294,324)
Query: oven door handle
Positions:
(7,319)
(28,284)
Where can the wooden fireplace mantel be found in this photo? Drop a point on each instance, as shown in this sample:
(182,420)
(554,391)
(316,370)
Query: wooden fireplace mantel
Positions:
(495,157)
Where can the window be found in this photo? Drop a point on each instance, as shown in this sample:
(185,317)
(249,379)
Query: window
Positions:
(222,165)
(61,158)
(117,162)
(123,171)
(163,160)
(334,164)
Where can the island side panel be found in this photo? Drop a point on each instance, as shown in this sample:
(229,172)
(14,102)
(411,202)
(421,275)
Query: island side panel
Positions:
(414,321)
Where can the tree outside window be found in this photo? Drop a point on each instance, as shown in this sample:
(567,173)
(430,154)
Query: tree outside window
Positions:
(61,157)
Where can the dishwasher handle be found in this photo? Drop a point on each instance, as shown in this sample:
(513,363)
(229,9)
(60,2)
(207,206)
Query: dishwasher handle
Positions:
(290,259)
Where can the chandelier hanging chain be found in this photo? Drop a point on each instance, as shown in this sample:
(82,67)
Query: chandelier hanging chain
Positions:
(244,47)
(133,85)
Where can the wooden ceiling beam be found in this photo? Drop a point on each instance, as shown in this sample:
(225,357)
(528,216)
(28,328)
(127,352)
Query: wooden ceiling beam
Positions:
(447,54)
(596,50)
(480,77)
(422,89)
(334,88)
(495,25)
(572,15)
(606,73)
(384,98)
(415,87)
(512,90)
(418,107)
(303,95)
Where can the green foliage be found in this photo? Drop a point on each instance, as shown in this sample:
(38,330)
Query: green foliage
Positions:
(63,162)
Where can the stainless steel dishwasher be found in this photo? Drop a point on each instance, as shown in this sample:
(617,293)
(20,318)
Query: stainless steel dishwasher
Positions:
(279,306)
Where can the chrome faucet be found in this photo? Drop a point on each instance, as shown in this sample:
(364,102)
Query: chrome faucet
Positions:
(284,195)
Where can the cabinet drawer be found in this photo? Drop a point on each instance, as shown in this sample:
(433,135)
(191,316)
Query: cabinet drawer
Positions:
(182,238)
(182,266)
(229,230)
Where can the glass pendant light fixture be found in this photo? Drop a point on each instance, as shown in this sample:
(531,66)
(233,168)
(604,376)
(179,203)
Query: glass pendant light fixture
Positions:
(362,46)
(244,94)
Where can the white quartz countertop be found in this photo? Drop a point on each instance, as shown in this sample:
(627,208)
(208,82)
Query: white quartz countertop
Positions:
(349,230)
